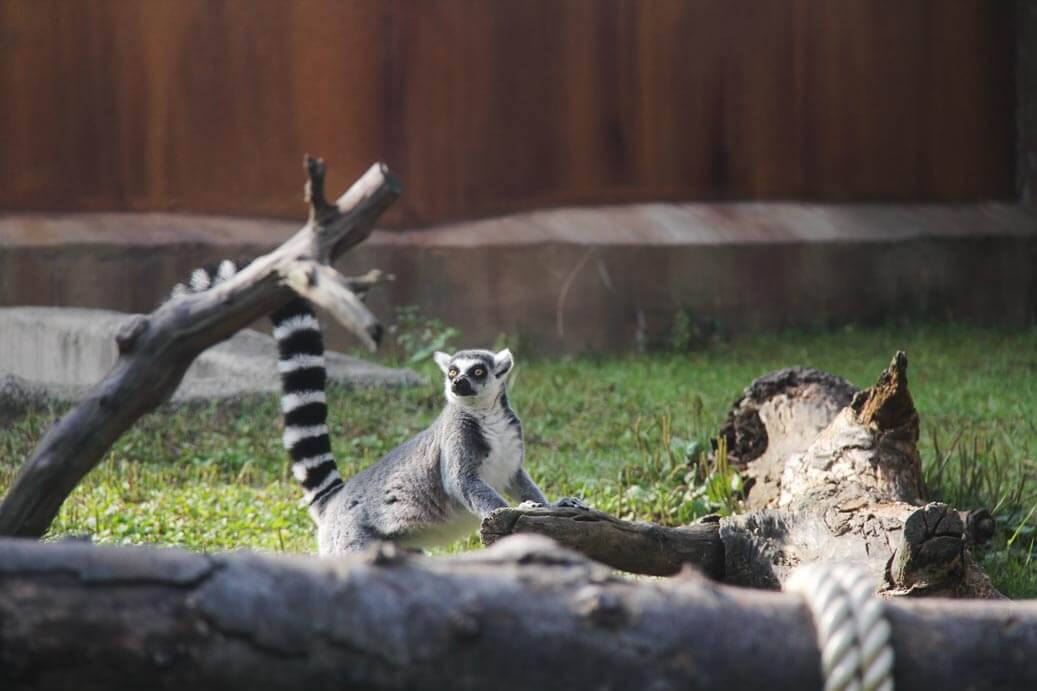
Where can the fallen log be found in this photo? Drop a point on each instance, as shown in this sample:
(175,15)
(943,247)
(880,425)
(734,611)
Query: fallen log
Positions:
(643,548)
(835,476)
(522,614)
(155,350)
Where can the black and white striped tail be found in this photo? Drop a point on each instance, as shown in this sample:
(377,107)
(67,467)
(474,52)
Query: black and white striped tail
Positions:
(305,409)
(301,366)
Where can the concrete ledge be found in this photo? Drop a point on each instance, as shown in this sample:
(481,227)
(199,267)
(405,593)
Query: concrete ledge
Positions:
(600,278)
(60,353)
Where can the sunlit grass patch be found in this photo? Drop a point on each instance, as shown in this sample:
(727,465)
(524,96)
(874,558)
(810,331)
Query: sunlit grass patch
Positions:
(627,434)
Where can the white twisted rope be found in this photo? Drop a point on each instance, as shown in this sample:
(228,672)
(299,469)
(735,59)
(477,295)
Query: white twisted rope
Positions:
(853,634)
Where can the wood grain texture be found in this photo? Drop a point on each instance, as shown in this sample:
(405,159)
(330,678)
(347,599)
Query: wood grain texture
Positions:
(492,107)
(835,482)
(522,614)
(636,547)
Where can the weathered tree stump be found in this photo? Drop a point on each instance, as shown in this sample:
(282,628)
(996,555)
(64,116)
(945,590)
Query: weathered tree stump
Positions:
(745,428)
(835,476)
(856,493)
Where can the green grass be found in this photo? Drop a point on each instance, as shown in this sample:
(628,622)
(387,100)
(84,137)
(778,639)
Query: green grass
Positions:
(624,433)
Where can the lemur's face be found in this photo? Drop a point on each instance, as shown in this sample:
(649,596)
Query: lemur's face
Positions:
(475,378)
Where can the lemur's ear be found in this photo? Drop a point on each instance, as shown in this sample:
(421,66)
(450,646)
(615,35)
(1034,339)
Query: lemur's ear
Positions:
(443,360)
(502,362)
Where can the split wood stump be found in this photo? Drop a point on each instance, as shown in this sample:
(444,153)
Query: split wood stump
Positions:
(834,475)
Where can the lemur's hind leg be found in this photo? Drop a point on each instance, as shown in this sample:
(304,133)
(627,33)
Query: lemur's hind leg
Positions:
(340,535)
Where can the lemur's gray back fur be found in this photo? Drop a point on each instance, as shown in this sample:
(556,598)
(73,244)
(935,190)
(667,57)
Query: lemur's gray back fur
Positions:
(433,488)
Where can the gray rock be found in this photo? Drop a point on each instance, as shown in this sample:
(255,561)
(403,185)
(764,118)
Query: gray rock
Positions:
(59,353)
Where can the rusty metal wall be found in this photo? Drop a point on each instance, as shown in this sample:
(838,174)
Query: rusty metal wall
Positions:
(488,107)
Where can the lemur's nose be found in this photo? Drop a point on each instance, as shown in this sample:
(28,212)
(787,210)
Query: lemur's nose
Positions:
(462,386)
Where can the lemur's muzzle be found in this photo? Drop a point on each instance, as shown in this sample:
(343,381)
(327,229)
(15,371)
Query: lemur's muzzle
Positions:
(462,387)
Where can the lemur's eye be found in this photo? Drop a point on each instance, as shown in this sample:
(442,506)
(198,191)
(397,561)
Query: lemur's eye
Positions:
(452,373)
(479,371)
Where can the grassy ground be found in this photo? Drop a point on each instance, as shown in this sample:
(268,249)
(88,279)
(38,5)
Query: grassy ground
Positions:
(626,434)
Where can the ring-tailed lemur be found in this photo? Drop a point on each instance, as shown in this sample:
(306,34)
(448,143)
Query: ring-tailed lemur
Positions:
(430,490)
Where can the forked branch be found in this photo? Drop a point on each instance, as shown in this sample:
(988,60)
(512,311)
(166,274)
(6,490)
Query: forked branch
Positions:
(155,350)
(323,286)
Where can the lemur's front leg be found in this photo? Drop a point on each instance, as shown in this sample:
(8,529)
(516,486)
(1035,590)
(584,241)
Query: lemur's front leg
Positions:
(473,492)
(523,488)
(480,498)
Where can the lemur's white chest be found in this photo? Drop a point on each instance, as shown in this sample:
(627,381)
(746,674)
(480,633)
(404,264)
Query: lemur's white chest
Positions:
(505,443)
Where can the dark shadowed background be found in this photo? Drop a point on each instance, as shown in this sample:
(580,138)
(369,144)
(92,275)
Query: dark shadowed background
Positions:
(481,108)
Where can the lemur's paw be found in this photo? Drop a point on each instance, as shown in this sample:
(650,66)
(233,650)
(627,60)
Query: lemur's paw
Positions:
(571,503)
(529,504)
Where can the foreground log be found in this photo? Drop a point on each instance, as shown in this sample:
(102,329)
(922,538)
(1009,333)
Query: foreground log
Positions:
(155,350)
(522,614)
(835,476)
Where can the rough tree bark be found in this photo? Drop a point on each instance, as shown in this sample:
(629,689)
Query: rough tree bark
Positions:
(795,404)
(155,350)
(643,548)
(834,475)
(855,493)
(523,614)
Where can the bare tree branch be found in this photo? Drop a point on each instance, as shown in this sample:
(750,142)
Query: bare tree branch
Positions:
(373,278)
(156,349)
(323,286)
